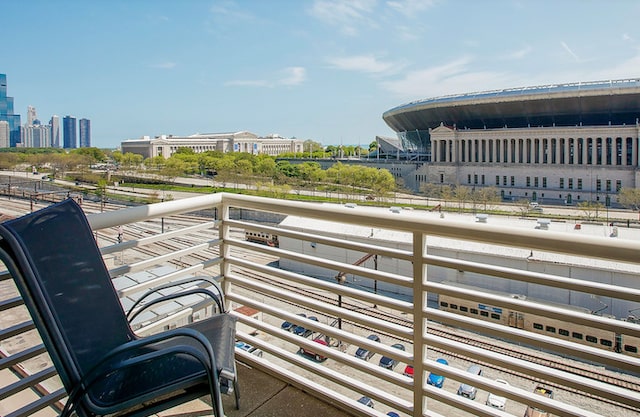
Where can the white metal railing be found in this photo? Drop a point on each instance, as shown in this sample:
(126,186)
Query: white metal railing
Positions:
(253,275)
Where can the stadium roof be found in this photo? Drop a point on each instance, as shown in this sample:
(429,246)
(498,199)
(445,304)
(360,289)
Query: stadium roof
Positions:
(614,102)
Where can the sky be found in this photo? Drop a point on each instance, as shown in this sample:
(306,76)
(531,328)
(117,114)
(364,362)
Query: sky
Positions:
(324,70)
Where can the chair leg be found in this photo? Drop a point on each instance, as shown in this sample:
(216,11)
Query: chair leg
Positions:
(236,391)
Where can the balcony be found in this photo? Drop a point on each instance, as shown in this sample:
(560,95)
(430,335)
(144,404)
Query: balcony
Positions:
(536,308)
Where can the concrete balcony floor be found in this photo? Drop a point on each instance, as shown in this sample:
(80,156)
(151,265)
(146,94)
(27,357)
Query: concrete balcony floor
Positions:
(261,395)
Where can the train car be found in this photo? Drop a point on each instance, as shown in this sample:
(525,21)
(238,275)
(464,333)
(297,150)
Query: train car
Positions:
(261,237)
(586,335)
(629,345)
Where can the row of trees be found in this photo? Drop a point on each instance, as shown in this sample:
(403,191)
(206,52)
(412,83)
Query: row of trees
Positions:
(251,169)
(485,198)
(226,168)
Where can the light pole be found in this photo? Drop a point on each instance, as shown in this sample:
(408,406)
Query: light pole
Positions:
(341,278)
(375,281)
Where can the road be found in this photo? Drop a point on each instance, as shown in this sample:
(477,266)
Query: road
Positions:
(605,215)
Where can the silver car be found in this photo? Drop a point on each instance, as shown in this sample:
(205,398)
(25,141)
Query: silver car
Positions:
(467,390)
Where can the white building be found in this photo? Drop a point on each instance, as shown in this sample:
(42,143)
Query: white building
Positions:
(36,135)
(4,134)
(55,131)
(551,163)
(167,145)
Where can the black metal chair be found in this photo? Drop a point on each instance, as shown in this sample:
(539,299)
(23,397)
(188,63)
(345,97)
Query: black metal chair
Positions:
(105,368)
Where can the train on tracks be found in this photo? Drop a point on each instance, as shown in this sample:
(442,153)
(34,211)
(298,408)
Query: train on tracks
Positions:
(586,335)
(268,239)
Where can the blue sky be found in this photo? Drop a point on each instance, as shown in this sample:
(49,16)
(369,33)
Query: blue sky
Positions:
(324,70)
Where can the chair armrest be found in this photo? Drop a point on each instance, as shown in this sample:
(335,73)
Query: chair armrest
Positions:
(133,314)
(103,366)
(219,301)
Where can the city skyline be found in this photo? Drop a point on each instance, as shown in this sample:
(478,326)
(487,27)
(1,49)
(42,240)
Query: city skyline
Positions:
(321,70)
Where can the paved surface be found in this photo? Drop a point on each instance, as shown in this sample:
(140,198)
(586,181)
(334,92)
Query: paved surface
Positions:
(262,395)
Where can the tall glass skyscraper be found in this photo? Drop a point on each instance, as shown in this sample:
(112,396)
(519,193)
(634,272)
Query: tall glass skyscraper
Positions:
(69,132)
(6,113)
(85,133)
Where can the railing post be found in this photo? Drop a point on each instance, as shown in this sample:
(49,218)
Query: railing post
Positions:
(419,322)
(225,249)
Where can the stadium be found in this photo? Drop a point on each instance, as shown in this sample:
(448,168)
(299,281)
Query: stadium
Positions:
(563,143)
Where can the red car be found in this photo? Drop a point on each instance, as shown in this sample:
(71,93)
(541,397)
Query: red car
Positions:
(408,371)
(318,357)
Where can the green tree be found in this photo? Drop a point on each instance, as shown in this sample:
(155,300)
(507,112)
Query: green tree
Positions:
(224,167)
(590,209)
(287,169)
(630,198)
(131,160)
(310,172)
(94,154)
(265,165)
(155,162)
(117,157)
(462,194)
(383,182)
(487,196)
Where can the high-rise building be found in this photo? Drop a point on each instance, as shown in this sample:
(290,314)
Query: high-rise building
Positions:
(31,115)
(4,134)
(54,124)
(85,133)
(69,132)
(6,113)
(36,135)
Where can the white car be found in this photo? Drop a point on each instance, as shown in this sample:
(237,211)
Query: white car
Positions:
(495,400)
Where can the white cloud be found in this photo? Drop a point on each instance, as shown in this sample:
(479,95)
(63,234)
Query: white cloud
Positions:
(247,83)
(164,65)
(410,8)
(460,76)
(620,70)
(293,76)
(228,9)
(362,63)
(348,15)
(520,53)
(566,48)
(454,77)
(288,76)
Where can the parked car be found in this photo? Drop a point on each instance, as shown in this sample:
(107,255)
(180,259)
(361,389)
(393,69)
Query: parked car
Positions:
(302,331)
(366,401)
(533,206)
(393,414)
(249,348)
(467,390)
(364,353)
(289,326)
(408,371)
(317,356)
(495,400)
(390,363)
(437,380)
(532,411)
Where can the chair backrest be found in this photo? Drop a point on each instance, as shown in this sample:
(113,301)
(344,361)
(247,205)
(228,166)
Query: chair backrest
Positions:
(66,287)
